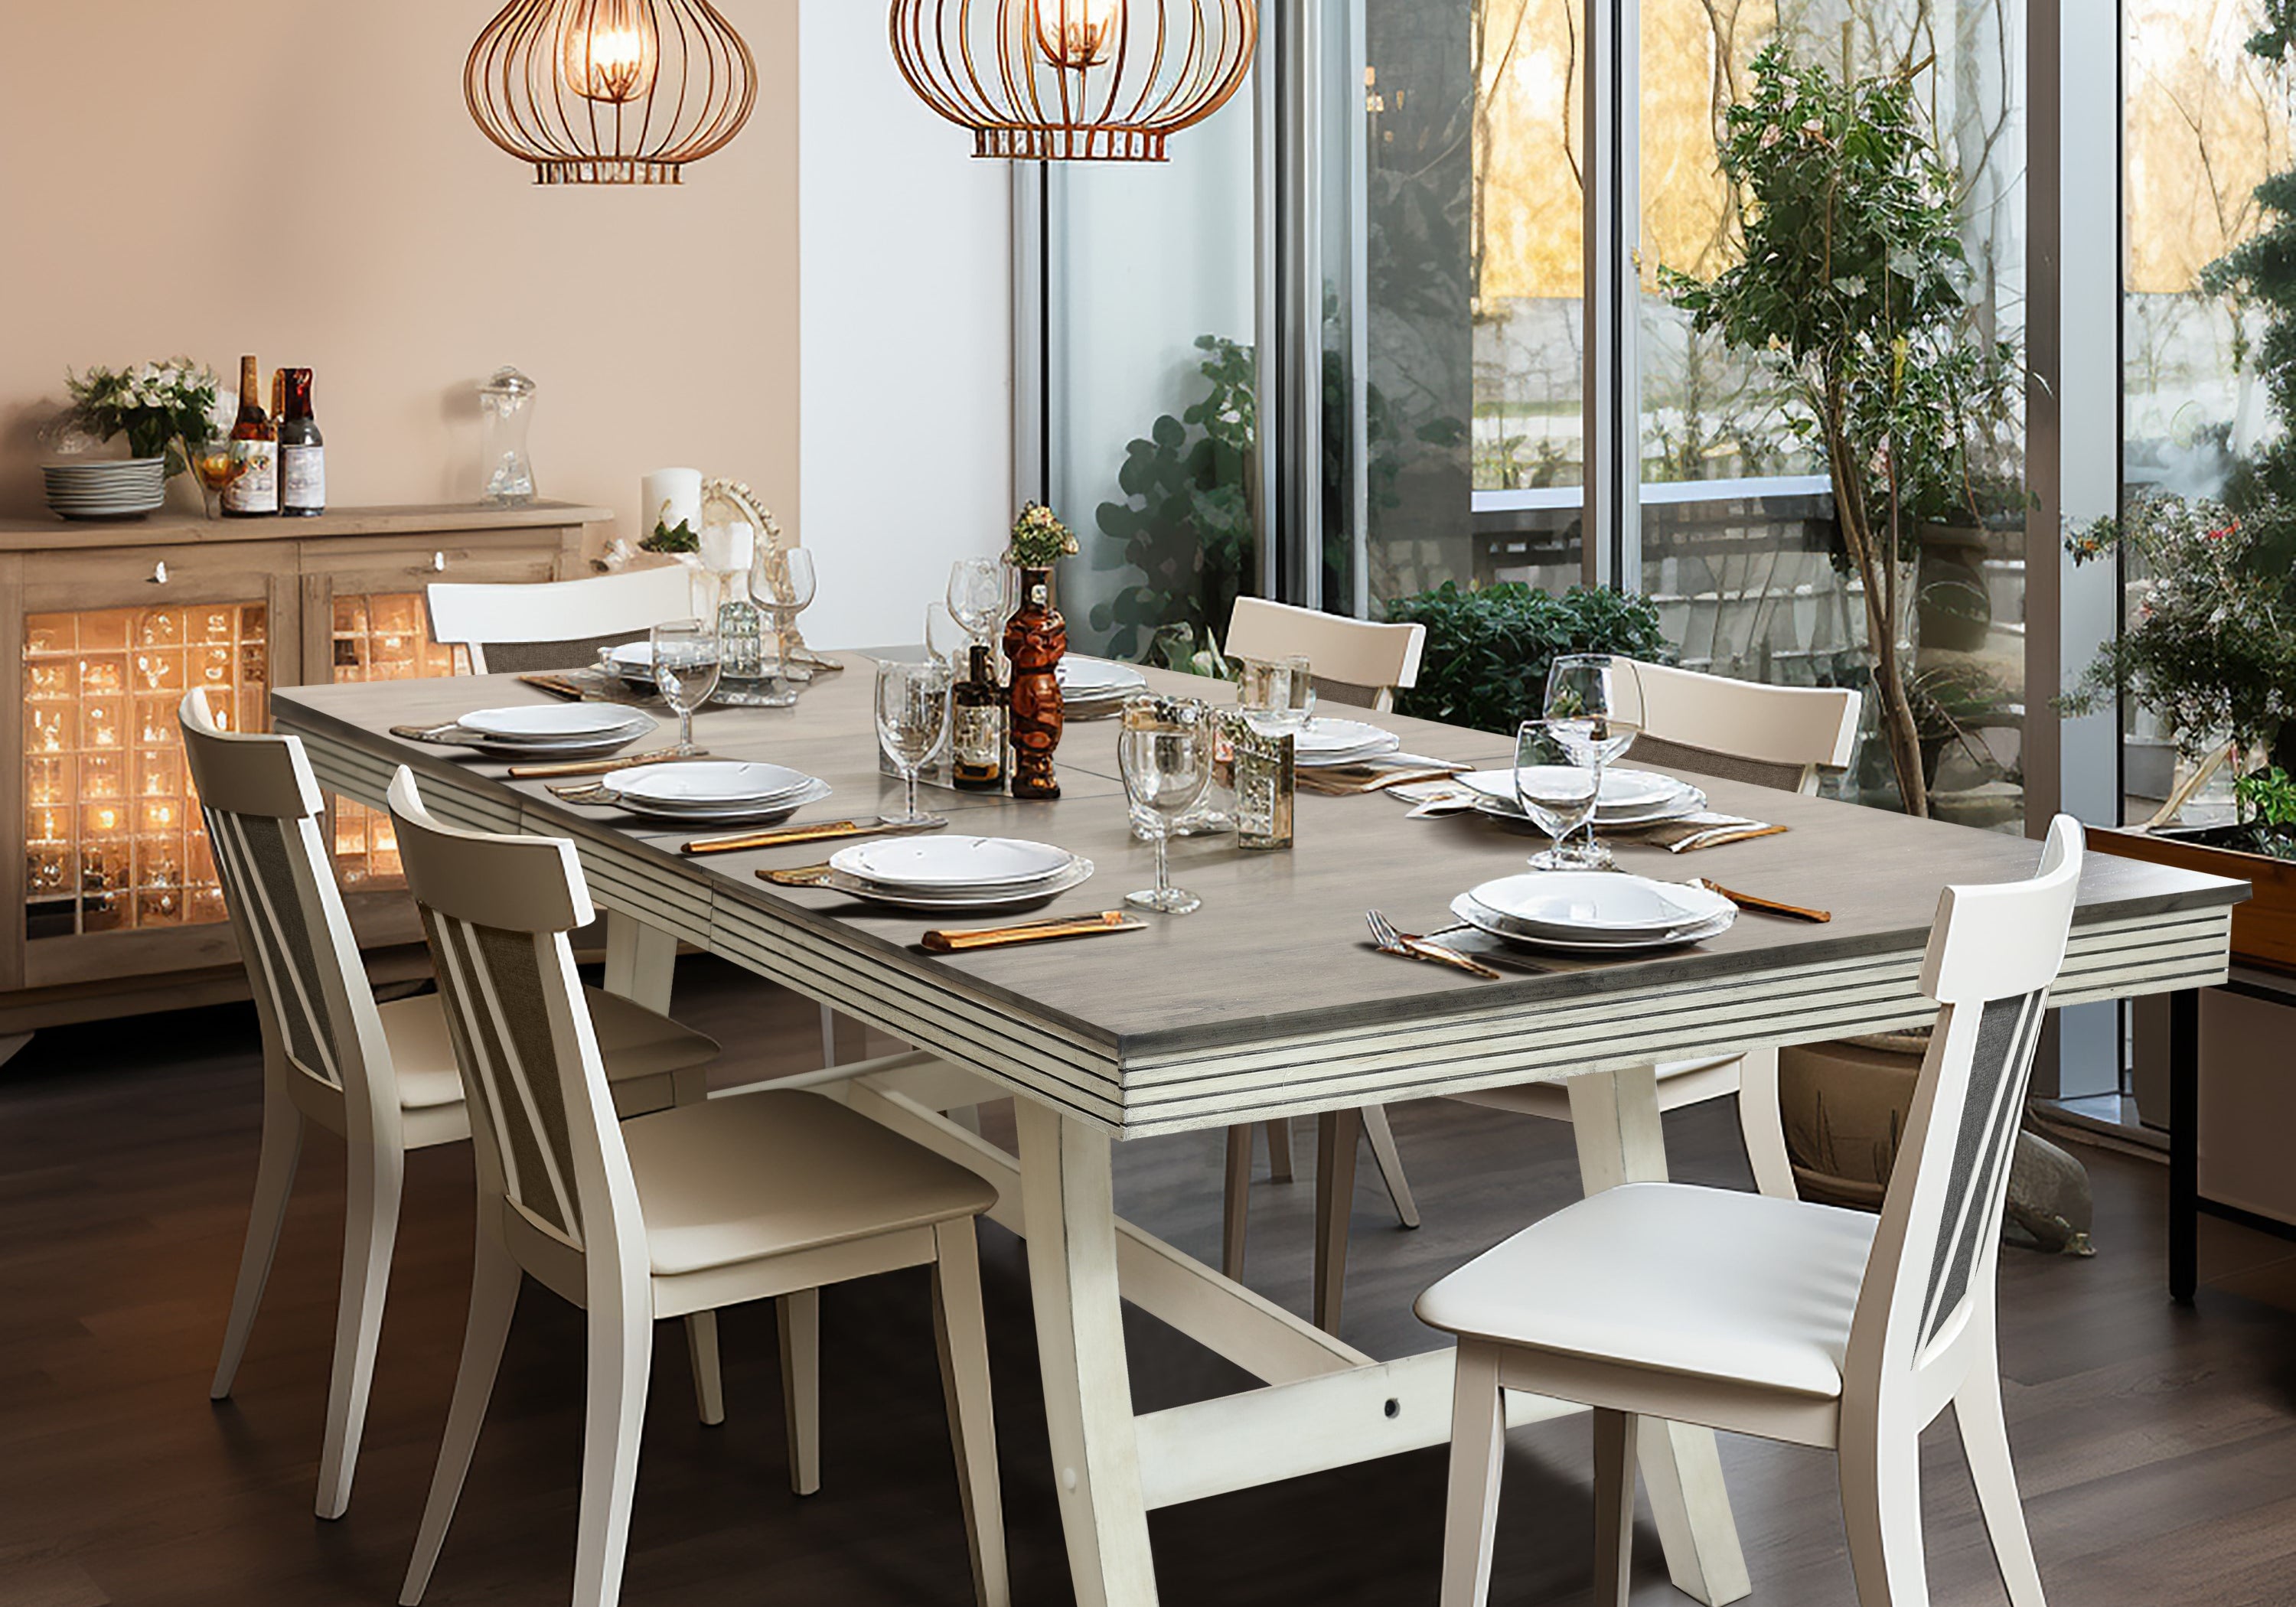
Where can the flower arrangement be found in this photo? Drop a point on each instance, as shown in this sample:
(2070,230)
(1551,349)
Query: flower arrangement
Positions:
(1039,539)
(155,407)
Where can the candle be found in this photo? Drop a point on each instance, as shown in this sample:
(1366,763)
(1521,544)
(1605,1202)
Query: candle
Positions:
(670,497)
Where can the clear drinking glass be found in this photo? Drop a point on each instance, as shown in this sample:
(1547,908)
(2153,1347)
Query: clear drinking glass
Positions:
(1165,751)
(912,724)
(1558,793)
(947,639)
(1594,710)
(976,594)
(686,664)
(1278,694)
(782,581)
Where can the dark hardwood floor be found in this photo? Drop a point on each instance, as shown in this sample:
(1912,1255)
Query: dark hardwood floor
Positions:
(2157,1446)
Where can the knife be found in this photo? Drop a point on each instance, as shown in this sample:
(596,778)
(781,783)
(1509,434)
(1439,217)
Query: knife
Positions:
(599,767)
(791,836)
(1054,929)
(1768,907)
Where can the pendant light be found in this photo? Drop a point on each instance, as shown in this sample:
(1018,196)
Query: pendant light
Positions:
(1075,80)
(609,92)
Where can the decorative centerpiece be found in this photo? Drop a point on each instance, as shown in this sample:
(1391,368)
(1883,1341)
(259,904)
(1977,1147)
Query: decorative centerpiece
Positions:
(1035,639)
(167,411)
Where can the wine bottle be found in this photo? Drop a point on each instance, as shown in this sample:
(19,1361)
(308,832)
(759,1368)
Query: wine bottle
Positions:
(253,492)
(978,740)
(302,452)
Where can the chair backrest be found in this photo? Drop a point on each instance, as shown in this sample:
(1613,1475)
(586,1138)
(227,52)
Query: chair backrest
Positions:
(556,623)
(1993,957)
(496,911)
(1770,736)
(1376,660)
(264,811)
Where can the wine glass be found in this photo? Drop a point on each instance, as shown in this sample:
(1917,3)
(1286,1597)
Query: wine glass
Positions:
(1594,710)
(686,661)
(947,639)
(913,725)
(782,581)
(1166,754)
(976,594)
(1556,792)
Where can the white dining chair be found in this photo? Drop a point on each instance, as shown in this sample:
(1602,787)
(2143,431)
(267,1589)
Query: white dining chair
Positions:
(1779,1318)
(509,628)
(381,1077)
(1362,663)
(765,1195)
(1785,737)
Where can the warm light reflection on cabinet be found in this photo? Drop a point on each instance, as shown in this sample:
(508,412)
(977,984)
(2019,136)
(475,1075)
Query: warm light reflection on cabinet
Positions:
(382,637)
(114,840)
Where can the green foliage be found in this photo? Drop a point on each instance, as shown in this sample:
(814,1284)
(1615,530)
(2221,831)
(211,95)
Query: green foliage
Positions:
(1488,649)
(2213,651)
(1039,538)
(680,539)
(2267,798)
(155,407)
(1851,282)
(1186,523)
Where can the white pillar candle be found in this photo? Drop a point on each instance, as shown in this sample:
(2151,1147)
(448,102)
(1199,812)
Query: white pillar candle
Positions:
(671,498)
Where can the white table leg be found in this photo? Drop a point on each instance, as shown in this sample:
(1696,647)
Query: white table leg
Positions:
(1615,1117)
(641,961)
(1069,1208)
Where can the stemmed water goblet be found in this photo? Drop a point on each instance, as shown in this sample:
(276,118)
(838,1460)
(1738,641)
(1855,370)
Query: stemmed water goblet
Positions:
(1594,711)
(1165,752)
(1556,793)
(913,715)
(687,663)
(782,582)
(976,596)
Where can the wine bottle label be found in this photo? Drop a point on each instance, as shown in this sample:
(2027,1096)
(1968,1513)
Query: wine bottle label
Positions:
(303,477)
(980,737)
(254,486)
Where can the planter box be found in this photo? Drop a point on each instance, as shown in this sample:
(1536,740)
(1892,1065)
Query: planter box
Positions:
(2263,928)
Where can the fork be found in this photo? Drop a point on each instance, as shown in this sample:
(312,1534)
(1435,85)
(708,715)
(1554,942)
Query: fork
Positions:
(1391,940)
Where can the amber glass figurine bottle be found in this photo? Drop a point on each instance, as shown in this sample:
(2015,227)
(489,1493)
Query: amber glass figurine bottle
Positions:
(1036,638)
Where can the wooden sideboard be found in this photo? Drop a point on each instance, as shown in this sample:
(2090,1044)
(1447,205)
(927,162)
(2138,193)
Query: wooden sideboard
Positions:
(109,889)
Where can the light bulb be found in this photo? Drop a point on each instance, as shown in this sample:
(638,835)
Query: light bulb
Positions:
(1078,34)
(612,51)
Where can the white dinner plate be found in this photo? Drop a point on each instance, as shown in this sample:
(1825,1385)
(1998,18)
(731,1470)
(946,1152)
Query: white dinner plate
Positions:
(1598,905)
(1079,870)
(1091,679)
(1690,803)
(632,660)
(557,723)
(761,814)
(1483,920)
(572,747)
(954,865)
(1323,744)
(706,785)
(1628,790)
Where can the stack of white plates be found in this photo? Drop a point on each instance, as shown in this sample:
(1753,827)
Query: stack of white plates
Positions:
(1630,798)
(1325,744)
(564,730)
(109,490)
(1091,688)
(955,872)
(714,791)
(1594,912)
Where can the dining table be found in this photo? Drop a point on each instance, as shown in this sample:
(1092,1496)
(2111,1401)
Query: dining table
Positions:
(1270,1002)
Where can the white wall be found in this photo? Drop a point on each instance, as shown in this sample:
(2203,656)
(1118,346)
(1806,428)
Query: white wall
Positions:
(904,338)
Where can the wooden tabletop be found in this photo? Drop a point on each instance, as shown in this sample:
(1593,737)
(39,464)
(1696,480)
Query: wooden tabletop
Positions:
(1271,994)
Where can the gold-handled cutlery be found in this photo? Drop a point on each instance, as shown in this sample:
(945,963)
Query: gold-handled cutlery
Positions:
(1768,907)
(428,734)
(783,837)
(1722,836)
(1052,929)
(597,767)
(1393,941)
(804,875)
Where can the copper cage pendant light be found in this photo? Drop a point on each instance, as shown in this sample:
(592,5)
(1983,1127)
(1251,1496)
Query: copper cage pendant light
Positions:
(609,92)
(1075,80)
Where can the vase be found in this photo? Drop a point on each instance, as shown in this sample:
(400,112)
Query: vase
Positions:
(1035,639)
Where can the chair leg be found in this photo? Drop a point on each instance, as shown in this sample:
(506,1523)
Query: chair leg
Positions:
(1279,1149)
(798,1317)
(1881,1506)
(370,1229)
(275,1180)
(1390,1164)
(1478,1447)
(1337,1135)
(621,1356)
(1614,1507)
(1985,1441)
(494,1280)
(709,1380)
(961,1335)
(1235,1214)
(1761,1122)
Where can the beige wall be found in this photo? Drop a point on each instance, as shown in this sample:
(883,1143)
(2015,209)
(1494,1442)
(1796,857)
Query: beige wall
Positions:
(301,181)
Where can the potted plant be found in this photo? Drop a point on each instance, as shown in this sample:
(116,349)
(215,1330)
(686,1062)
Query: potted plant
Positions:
(2211,651)
(1849,284)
